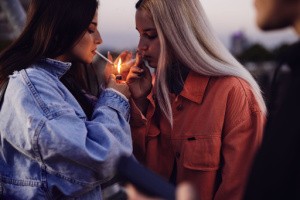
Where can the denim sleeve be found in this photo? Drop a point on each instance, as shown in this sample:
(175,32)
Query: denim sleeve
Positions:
(86,151)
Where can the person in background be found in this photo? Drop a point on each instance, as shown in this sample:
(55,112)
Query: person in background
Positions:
(275,173)
(49,148)
(202,119)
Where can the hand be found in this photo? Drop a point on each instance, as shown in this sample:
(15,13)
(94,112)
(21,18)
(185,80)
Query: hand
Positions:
(126,63)
(109,68)
(134,194)
(184,191)
(139,79)
(125,56)
(120,86)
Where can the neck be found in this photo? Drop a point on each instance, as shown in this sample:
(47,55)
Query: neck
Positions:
(62,58)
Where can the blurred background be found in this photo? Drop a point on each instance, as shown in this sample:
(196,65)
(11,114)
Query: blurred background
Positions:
(233,21)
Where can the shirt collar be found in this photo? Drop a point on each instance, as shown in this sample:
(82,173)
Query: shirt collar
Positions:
(194,87)
(55,67)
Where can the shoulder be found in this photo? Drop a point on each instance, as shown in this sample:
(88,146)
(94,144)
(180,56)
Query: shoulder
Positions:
(237,90)
(40,90)
(41,76)
(231,84)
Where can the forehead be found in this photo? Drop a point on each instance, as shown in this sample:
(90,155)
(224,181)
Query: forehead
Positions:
(95,18)
(143,20)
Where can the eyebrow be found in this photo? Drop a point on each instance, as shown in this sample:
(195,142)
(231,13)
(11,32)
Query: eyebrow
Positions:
(94,23)
(148,29)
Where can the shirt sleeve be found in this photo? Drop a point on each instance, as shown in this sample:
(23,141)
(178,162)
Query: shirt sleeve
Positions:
(242,136)
(139,126)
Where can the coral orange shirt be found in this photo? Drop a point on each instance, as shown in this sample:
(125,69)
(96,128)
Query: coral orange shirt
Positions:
(218,127)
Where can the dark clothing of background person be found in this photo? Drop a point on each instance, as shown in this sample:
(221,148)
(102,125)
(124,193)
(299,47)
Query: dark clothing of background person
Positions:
(275,173)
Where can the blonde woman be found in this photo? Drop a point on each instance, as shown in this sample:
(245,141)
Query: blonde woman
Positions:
(202,119)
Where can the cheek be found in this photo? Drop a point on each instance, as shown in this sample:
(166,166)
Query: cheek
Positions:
(156,49)
(268,15)
(85,42)
(82,50)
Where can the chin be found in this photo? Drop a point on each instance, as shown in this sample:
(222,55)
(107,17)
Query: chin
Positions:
(152,65)
(269,26)
(88,61)
(262,24)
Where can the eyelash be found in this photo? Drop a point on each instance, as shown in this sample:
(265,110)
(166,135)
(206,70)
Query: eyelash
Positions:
(150,37)
(91,31)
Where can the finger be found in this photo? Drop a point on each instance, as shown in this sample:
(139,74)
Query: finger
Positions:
(186,191)
(133,76)
(137,69)
(135,72)
(132,79)
(146,70)
(129,56)
(138,58)
(112,77)
(122,82)
(109,56)
(111,82)
(123,55)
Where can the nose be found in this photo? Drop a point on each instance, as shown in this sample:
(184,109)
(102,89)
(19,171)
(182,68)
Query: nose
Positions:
(98,38)
(142,46)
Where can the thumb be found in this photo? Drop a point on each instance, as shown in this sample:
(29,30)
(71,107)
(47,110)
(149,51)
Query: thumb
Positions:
(111,80)
(112,77)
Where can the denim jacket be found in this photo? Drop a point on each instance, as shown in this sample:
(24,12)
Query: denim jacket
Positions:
(48,148)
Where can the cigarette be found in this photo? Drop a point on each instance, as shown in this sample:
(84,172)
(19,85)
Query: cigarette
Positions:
(129,62)
(102,56)
(147,63)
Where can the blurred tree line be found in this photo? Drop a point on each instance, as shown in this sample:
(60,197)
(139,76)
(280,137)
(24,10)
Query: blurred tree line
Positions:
(262,63)
(259,53)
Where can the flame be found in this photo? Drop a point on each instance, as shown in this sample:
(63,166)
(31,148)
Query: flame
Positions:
(119,65)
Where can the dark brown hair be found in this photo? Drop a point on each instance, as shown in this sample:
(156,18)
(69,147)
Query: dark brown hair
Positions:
(138,4)
(53,27)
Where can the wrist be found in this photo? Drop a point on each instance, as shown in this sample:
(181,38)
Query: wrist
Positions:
(142,103)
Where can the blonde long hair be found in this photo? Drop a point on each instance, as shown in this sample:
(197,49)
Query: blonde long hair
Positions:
(183,27)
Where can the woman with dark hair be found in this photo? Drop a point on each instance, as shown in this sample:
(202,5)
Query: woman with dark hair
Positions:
(49,148)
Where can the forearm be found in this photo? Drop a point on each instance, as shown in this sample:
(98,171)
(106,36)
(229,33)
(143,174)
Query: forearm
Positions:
(142,104)
(68,143)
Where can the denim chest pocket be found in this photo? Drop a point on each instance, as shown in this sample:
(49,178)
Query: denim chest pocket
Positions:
(202,152)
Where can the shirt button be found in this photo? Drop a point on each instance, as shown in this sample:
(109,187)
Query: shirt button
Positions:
(177,155)
(179,107)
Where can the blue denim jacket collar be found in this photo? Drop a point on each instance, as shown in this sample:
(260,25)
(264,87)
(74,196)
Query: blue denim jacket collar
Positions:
(55,67)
